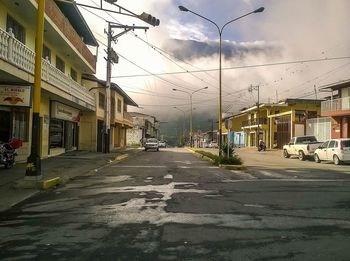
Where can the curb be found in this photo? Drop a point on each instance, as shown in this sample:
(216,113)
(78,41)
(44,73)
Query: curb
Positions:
(46,184)
(233,167)
(223,166)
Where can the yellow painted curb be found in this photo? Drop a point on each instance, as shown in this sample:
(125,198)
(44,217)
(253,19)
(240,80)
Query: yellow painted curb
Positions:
(46,184)
(121,157)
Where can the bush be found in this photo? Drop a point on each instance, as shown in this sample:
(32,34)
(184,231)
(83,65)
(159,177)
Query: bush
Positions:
(233,160)
(224,148)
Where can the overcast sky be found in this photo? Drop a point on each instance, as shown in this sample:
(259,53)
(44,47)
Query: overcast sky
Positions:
(259,49)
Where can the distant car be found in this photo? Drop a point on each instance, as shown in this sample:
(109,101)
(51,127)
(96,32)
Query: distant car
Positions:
(336,150)
(213,144)
(162,144)
(151,144)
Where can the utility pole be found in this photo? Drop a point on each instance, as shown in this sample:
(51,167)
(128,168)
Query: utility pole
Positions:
(315,91)
(250,89)
(112,57)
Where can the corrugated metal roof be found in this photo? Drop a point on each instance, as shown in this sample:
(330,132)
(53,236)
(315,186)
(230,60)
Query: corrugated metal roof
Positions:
(71,11)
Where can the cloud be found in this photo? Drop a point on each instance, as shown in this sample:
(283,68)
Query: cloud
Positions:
(287,30)
(190,49)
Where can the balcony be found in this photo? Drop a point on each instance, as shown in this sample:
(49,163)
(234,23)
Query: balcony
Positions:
(19,55)
(128,120)
(254,122)
(336,107)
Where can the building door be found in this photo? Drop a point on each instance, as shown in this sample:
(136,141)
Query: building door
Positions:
(283,130)
(5,126)
(99,136)
(69,136)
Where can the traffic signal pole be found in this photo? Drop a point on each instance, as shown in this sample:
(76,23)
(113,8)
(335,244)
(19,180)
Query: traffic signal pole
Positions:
(33,168)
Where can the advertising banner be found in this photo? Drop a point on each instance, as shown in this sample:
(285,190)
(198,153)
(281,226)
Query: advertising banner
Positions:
(15,95)
(64,112)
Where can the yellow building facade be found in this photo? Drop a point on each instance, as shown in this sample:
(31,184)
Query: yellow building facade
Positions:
(275,123)
(65,102)
(94,123)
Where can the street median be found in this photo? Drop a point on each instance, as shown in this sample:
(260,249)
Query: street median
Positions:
(231,163)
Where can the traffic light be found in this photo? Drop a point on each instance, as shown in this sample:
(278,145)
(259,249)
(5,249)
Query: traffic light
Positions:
(149,19)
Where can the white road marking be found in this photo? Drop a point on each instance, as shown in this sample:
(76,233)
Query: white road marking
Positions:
(270,174)
(198,167)
(254,205)
(284,180)
(141,166)
(184,162)
(292,170)
(243,174)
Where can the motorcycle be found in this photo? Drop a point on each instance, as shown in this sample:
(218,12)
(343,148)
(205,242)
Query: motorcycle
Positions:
(262,146)
(8,152)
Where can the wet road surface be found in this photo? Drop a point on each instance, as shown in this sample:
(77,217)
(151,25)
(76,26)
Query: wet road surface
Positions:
(171,205)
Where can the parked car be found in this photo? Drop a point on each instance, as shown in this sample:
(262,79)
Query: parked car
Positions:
(301,146)
(151,143)
(213,144)
(336,150)
(162,144)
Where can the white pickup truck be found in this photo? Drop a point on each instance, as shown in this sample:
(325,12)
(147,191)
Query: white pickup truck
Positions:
(302,146)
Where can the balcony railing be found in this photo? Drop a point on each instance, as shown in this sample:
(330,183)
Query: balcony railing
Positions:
(16,53)
(254,122)
(336,105)
(128,119)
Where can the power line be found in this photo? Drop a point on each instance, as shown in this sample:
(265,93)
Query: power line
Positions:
(240,67)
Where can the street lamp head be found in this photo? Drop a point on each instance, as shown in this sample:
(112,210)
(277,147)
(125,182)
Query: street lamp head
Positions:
(259,10)
(183,9)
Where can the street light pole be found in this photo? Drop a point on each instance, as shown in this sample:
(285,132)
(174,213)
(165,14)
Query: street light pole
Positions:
(190,94)
(183,123)
(220,30)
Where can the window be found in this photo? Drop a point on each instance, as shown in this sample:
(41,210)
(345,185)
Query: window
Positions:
(312,114)
(60,64)
(331,144)
(112,107)
(324,145)
(119,106)
(17,29)
(46,53)
(345,143)
(20,126)
(101,100)
(56,133)
(73,74)
(300,116)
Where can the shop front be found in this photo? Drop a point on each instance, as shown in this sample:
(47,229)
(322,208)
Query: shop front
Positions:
(64,128)
(15,103)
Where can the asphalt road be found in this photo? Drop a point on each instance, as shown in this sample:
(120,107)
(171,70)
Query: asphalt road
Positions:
(171,205)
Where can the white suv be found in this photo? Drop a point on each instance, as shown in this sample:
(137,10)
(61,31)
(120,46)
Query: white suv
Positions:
(152,144)
(336,150)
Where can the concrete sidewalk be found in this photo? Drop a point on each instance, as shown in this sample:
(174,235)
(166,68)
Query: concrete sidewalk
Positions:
(63,167)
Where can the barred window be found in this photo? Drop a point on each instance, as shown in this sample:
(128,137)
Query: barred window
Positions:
(17,29)
(60,64)
(46,53)
(73,74)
